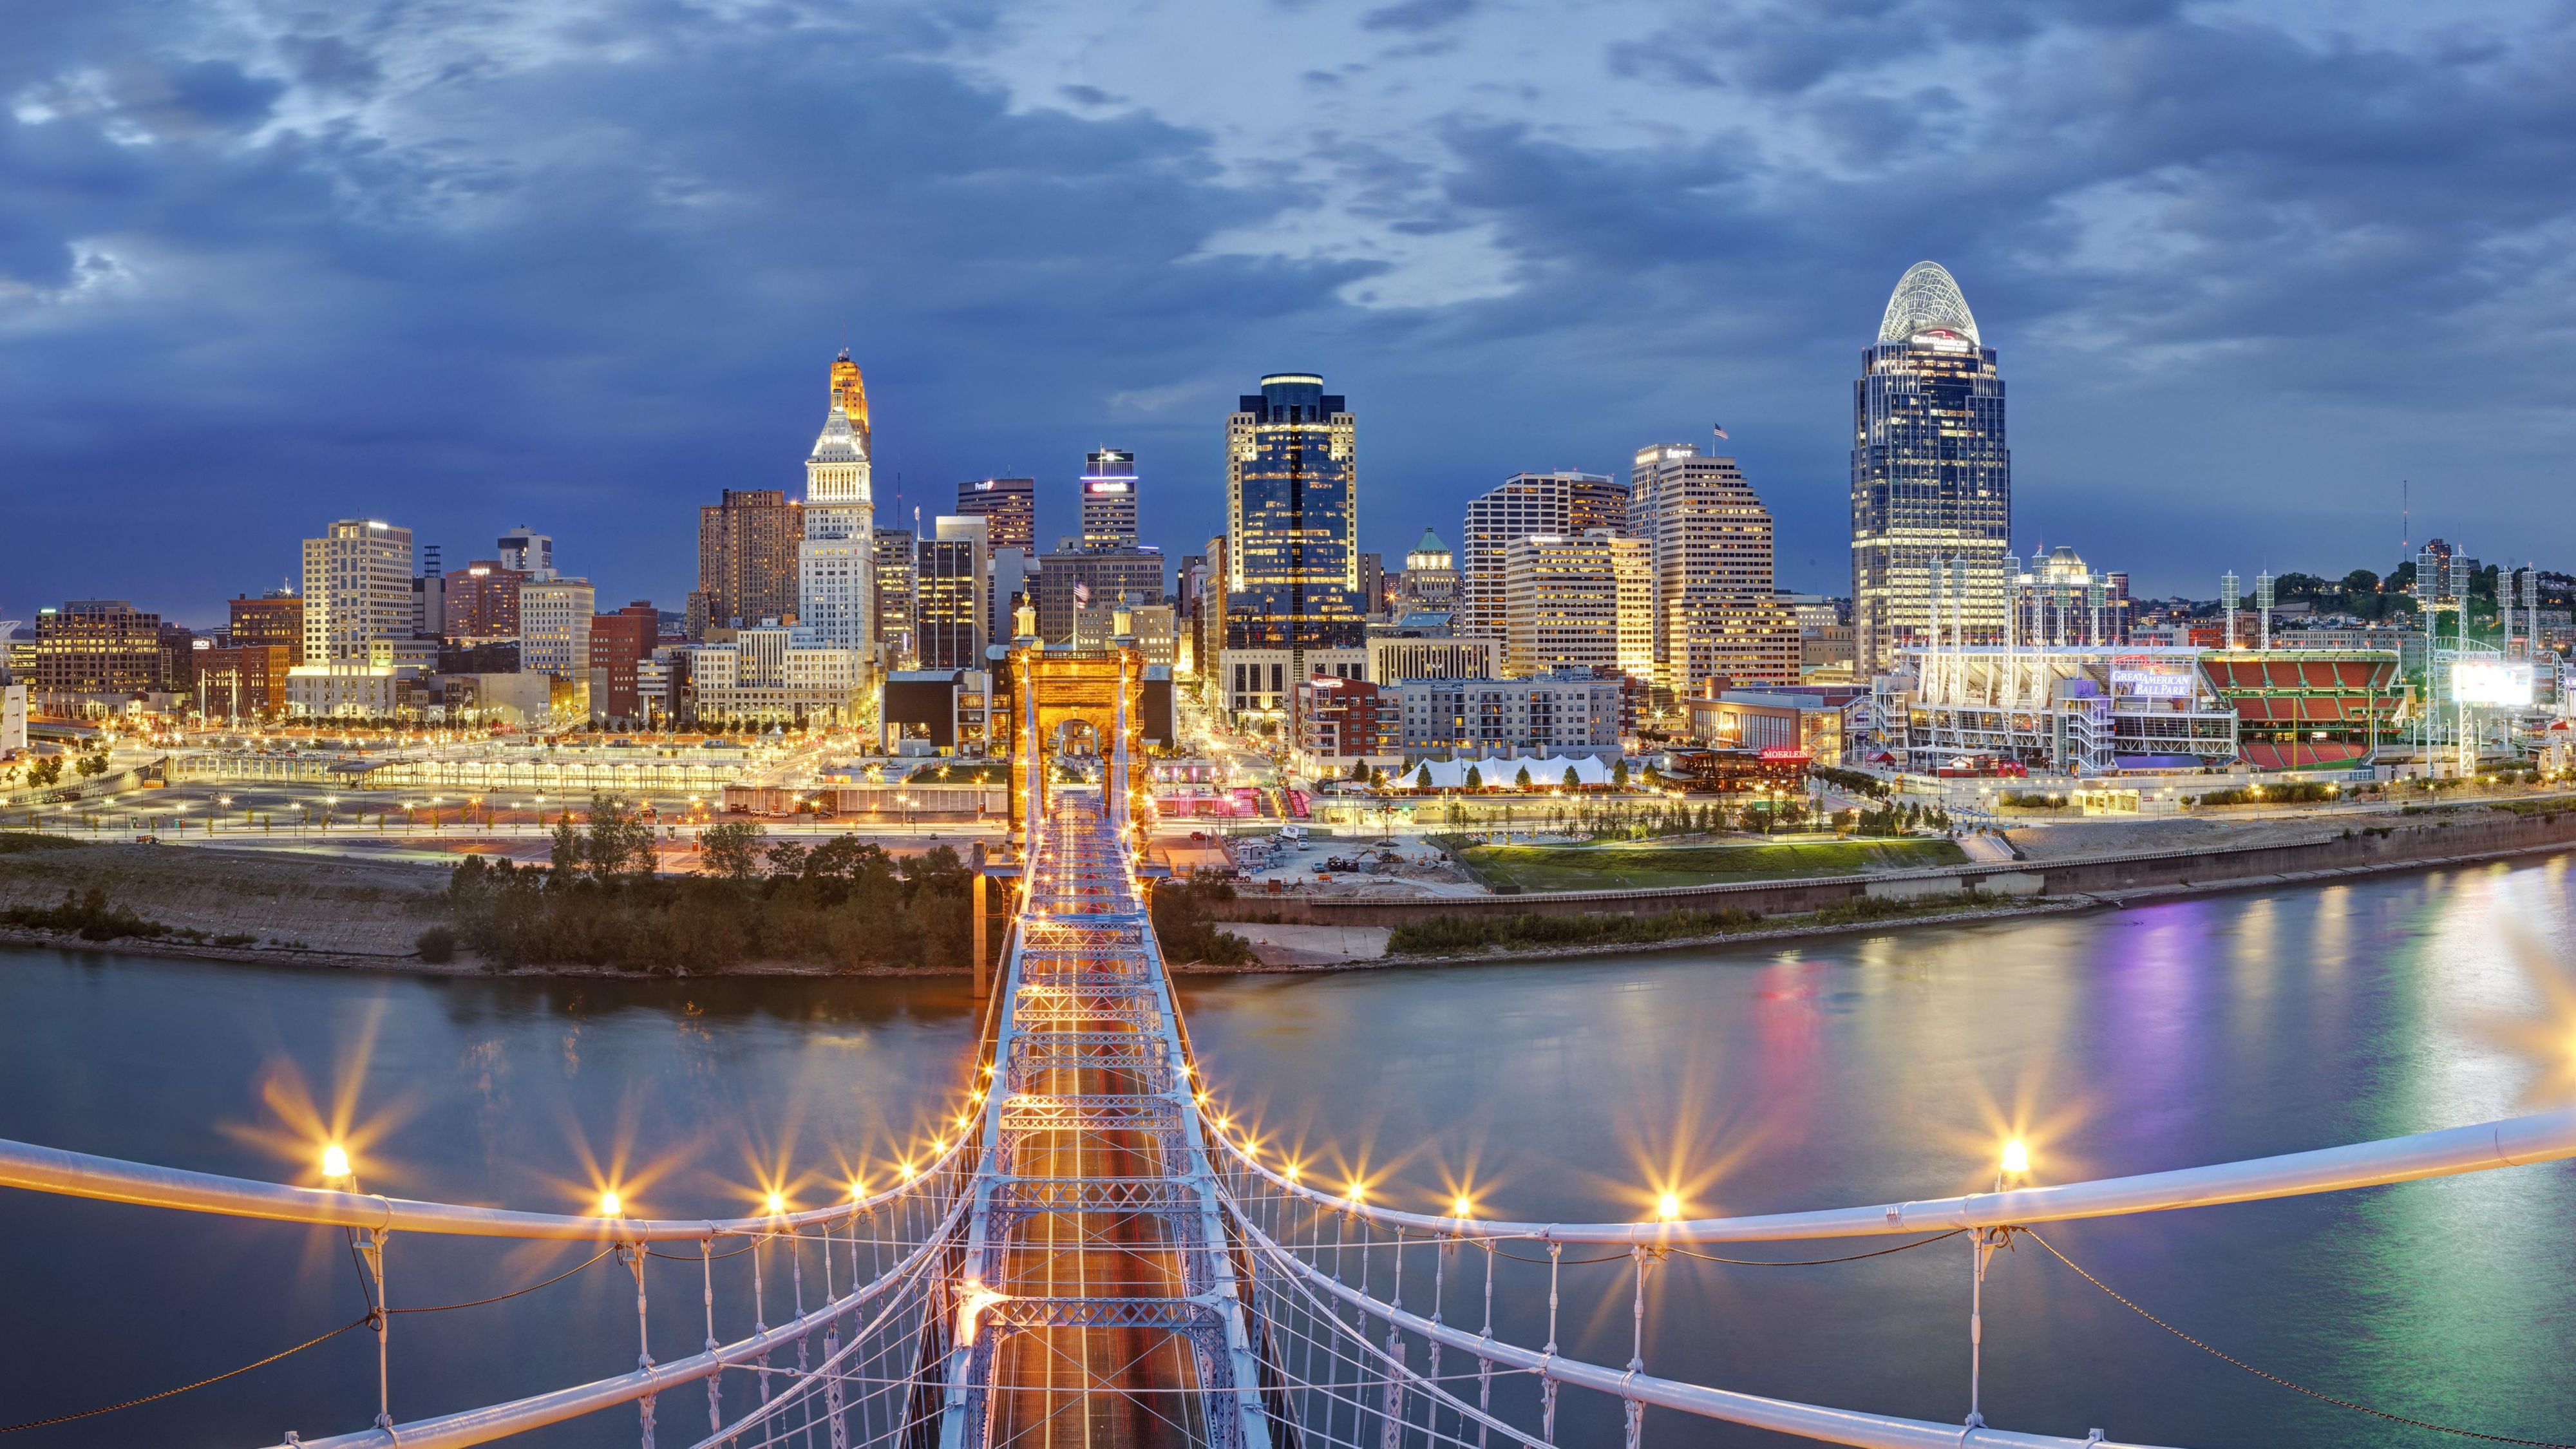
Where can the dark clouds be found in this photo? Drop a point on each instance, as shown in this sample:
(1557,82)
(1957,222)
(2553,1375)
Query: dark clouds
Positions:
(465,270)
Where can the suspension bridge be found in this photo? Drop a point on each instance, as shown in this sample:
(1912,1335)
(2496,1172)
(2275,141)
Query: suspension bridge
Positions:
(1096,1255)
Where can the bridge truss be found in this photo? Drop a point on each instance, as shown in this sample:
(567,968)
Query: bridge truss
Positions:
(1096,1256)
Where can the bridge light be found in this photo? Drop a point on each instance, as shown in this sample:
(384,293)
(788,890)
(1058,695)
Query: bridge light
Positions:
(1289,1172)
(335,1161)
(1461,1208)
(777,1203)
(610,1206)
(907,1169)
(2016,1158)
(1669,1207)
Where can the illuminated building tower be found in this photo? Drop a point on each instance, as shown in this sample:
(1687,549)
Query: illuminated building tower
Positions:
(1009,509)
(1292,518)
(1109,500)
(357,590)
(850,395)
(895,564)
(1716,619)
(1431,575)
(1931,477)
(1583,600)
(836,561)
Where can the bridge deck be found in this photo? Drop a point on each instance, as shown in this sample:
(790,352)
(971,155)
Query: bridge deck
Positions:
(1098,1240)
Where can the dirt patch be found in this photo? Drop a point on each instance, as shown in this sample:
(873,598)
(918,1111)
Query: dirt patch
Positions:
(325,904)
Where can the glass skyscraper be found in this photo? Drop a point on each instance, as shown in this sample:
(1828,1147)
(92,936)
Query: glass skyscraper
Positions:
(1292,520)
(1931,479)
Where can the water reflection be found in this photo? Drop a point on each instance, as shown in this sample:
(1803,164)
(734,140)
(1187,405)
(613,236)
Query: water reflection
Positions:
(1856,1069)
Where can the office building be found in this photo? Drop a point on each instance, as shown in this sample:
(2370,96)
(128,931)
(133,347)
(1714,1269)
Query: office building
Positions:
(836,560)
(1068,579)
(242,681)
(746,559)
(777,675)
(1420,646)
(1373,584)
(1709,540)
(554,627)
(273,620)
(897,601)
(357,590)
(1009,508)
(1109,500)
(428,595)
(530,552)
(483,603)
(1292,519)
(1582,600)
(952,587)
(1593,501)
(1569,712)
(1430,577)
(1931,476)
(1525,504)
(619,645)
(98,647)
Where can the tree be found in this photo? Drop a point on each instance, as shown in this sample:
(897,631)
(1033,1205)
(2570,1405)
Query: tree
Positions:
(1521,781)
(1475,778)
(1360,771)
(1422,777)
(566,858)
(92,765)
(1619,774)
(46,771)
(787,860)
(619,840)
(732,850)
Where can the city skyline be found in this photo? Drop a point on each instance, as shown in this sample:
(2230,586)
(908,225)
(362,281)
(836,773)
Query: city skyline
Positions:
(2207,259)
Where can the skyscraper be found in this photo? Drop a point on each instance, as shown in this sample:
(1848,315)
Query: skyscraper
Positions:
(1931,477)
(952,587)
(1292,518)
(1709,539)
(1009,507)
(1109,500)
(747,557)
(895,600)
(357,590)
(1526,504)
(836,561)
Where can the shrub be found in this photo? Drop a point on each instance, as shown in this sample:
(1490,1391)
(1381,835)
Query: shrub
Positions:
(437,945)
(1185,923)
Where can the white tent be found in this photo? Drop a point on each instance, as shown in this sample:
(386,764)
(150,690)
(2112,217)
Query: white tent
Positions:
(1452,774)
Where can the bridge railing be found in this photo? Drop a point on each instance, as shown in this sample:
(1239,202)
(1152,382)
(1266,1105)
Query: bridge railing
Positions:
(855,1294)
(1344,1284)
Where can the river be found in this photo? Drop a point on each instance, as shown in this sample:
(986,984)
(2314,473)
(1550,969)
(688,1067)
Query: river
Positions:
(1817,1073)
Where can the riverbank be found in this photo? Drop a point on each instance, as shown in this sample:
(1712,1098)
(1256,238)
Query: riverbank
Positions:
(367,915)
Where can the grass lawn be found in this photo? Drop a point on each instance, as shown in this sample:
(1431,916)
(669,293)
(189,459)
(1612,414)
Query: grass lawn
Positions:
(1647,866)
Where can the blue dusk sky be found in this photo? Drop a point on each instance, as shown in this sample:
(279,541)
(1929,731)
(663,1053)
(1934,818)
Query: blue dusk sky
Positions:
(468,264)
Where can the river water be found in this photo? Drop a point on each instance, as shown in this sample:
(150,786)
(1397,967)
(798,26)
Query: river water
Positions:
(1856,1069)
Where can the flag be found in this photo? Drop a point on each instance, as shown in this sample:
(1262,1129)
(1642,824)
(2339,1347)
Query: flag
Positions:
(1718,428)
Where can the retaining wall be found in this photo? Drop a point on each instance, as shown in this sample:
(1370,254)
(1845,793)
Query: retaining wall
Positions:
(2389,842)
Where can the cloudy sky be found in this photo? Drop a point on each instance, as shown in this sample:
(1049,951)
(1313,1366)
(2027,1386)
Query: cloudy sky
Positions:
(467,264)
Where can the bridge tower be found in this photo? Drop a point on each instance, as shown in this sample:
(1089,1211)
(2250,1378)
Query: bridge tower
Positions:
(1065,694)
